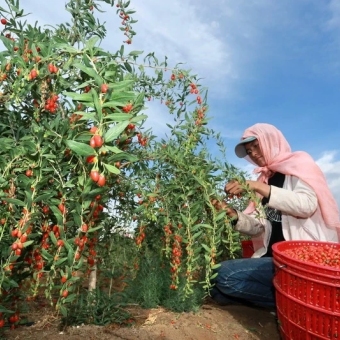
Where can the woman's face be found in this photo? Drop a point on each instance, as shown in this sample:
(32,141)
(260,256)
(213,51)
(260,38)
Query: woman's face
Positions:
(254,152)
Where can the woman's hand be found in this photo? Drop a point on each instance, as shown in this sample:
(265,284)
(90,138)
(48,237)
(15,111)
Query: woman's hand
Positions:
(235,188)
(221,205)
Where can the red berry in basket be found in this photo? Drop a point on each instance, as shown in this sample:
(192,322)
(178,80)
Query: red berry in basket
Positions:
(324,254)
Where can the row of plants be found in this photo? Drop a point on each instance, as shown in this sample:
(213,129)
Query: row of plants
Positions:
(87,192)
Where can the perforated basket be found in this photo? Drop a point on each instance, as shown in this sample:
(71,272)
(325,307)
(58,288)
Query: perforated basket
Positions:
(307,295)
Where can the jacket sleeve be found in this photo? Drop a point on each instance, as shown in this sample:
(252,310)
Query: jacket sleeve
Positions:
(299,201)
(248,225)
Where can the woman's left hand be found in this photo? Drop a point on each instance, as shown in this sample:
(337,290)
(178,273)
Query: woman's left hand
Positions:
(235,188)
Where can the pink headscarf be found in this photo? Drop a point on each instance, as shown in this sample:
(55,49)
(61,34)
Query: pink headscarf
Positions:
(279,158)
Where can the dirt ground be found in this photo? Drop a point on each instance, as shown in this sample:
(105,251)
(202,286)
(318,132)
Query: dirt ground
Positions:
(211,322)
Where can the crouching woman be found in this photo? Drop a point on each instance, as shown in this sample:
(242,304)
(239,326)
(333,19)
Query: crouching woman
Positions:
(297,205)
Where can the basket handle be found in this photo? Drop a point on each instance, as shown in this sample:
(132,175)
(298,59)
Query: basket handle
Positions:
(278,267)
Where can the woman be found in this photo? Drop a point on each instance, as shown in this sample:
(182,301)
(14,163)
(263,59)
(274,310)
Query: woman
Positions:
(297,203)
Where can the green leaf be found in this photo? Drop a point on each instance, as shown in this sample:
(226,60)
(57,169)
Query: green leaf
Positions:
(66,47)
(220,216)
(46,255)
(70,298)
(5,310)
(53,238)
(80,97)
(128,67)
(76,216)
(60,261)
(198,234)
(112,169)
(215,266)
(96,102)
(63,311)
(7,42)
(138,118)
(27,243)
(213,276)
(90,71)
(87,115)
(81,149)
(206,247)
(92,42)
(204,225)
(70,256)
(184,219)
(121,51)
(28,194)
(43,197)
(122,85)
(195,227)
(14,201)
(118,117)
(13,283)
(125,156)
(114,104)
(66,243)
(199,180)
(115,131)
(135,53)
(57,214)
(91,230)
(113,149)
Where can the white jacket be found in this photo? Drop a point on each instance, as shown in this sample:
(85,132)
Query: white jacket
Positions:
(301,217)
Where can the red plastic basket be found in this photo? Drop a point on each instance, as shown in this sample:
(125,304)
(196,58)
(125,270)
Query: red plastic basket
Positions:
(307,295)
(247,248)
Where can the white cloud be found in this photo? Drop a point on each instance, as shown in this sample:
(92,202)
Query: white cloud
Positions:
(334,21)
(178,30)
(157,119)
(222,43)
(184,31)
(331,168)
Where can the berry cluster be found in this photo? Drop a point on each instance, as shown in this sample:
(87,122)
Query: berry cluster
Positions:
(324,255)
(140,238)
(51,104)
(176,255)
(52,68)
(142,140)
(127,108)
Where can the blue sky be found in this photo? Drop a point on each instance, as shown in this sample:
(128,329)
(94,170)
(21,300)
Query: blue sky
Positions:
(263,61)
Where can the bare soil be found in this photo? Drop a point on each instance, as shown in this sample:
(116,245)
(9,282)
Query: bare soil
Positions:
(211,322)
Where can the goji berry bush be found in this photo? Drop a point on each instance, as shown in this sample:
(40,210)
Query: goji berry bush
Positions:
(87,192)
